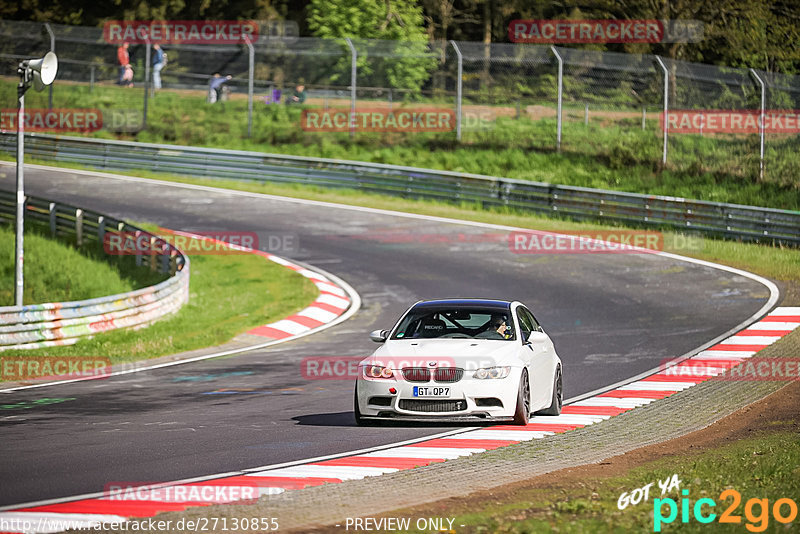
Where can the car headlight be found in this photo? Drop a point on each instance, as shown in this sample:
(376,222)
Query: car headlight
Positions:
(377,371)
(492,372)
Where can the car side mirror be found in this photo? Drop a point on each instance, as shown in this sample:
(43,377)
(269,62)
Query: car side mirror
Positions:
(537,337)
(379,336)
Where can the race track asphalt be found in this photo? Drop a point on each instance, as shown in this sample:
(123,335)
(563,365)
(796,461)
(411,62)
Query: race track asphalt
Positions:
(611,316)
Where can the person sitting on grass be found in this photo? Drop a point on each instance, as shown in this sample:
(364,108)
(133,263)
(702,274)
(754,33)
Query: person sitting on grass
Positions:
(298,95)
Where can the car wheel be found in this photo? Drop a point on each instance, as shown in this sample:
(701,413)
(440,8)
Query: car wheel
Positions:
(558,396)
(360,421)
(523,410)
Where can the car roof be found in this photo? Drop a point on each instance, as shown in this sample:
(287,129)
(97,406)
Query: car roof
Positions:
(499,305)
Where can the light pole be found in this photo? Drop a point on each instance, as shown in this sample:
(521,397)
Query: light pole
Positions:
(40,72)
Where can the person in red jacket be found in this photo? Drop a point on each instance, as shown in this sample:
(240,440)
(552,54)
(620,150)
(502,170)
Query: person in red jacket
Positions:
(124,60)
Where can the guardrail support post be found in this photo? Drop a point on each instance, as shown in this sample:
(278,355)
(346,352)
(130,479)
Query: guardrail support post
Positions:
(52,219)
(560,95)
(250,69)
(459,82)
(353,80)
(137,248)
(152,251)
(665,120)
(101,229)
(79,227)
(761,121)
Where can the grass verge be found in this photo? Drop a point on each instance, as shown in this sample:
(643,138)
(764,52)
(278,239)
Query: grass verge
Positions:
(56,271)
(229,294)
(611,152)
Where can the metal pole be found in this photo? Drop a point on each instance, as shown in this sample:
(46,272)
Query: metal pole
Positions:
(52,49)
(146,81)
(761,120)
(91,79)
(644,116)
(19,243)
(560,91)
(666,107)
(459,82)
(353,58)
(586,115)
(250,68)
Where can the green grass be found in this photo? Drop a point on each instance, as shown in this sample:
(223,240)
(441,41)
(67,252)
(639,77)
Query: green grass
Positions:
(613,154)
(57,272)
(229,294)
(764,466)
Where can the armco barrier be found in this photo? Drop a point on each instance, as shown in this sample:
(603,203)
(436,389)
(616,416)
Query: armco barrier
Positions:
(749,223)
(64,323)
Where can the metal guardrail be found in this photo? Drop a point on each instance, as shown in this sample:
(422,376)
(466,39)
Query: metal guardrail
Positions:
(64,323)
(749,223)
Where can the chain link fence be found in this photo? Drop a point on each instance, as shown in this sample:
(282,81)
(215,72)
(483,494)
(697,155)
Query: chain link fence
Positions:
(535,96)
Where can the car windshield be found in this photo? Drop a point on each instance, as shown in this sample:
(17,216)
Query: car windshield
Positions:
(456,323)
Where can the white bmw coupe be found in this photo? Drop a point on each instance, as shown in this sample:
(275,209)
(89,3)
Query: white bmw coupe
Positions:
(460,359)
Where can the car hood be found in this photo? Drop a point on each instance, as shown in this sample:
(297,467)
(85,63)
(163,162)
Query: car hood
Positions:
(465,353)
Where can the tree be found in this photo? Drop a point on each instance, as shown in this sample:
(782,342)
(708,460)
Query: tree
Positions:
(404,62)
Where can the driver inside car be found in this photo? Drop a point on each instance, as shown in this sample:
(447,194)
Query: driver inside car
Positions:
(498,324)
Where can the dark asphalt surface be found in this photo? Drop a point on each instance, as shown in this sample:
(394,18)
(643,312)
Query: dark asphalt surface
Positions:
(611,316)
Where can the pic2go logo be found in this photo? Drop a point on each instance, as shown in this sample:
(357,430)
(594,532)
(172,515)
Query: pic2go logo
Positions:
(756,511)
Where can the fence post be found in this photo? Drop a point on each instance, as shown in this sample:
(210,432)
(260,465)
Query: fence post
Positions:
(458,88)
(52,49)
(761,120)
(666,107)
(146,81)
(250,68)
(560,95)
(91,78)
(353,70)
(644,116)
(586,114)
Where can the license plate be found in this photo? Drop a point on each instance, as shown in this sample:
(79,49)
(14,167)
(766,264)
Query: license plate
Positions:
(430,391)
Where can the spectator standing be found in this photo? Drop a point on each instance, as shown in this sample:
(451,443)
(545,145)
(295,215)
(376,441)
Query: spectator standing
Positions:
(124,59)
(159,60)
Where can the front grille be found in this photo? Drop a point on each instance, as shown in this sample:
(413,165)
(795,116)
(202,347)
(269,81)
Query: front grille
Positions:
(416,374)
(448,374)
(415,405)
